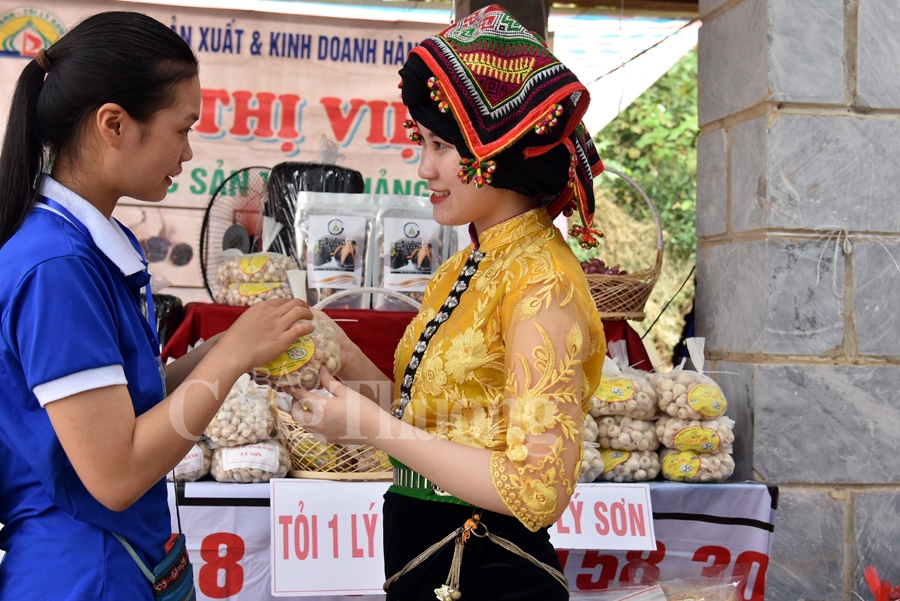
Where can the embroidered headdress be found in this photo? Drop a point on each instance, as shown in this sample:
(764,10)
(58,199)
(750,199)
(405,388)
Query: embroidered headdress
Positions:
(511,108)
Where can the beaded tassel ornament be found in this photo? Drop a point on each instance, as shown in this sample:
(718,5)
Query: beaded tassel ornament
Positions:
(588,237)
(414,135)
(480,172)
(449,591)
(550,120)
(435,86)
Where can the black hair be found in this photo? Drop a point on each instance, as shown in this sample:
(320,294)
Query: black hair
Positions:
(125,58)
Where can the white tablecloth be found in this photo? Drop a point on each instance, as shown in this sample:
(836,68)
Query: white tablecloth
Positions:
(710,529)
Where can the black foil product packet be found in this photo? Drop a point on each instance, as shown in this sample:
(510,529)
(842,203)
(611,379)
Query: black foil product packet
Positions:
(287,180)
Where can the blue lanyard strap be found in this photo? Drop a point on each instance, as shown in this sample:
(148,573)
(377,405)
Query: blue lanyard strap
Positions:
(150,323)
(151,310)
(67,214)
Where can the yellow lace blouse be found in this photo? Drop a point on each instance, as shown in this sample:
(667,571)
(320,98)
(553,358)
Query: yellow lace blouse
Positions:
(513,368)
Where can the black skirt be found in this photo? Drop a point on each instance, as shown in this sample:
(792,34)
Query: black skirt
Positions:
(489,572)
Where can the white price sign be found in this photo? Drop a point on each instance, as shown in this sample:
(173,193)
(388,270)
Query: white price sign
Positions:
(326,537)
(616,517)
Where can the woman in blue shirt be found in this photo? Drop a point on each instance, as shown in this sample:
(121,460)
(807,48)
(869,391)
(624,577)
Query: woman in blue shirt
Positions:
(88,429)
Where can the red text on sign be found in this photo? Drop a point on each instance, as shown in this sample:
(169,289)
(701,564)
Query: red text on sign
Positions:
(221,576)
(267,116)
(300,535)
(749,569)
(619,516)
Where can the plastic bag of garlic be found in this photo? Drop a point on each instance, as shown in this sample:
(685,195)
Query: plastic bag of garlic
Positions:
(626,434)
(255,268)
(688,466)
(700,436)
(194,466)
(616,465)
(590,430)
(298,366)
(628,466)
(247,415)
(623,390)
(243,280)
(591,463)
(687,394)
(253,463)
(244,295)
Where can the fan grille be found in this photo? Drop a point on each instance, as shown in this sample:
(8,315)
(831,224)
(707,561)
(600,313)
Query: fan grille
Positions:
(239,200)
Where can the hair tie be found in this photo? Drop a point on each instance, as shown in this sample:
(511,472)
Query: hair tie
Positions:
(43,60)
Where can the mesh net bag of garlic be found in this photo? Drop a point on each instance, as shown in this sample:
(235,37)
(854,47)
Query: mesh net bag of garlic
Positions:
(298,366)
(247,415)
(687,394)
(252,463)
(194,466)
(623,390)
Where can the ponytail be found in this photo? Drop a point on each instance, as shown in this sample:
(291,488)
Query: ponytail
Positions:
(22,155)
(124,58)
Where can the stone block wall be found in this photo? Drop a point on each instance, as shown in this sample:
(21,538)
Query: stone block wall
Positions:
(798,272)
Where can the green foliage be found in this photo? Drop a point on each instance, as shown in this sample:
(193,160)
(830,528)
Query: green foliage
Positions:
(655,142)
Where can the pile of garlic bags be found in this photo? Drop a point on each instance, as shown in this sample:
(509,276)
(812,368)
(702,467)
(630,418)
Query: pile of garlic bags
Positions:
(635,413)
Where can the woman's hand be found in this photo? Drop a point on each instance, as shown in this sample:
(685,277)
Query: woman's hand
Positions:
(347,418)
(264,331)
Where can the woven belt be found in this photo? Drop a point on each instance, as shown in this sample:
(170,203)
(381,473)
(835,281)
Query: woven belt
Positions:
(407,478)
(410,483)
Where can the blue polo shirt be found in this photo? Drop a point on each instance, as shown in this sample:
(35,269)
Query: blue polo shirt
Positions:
(70,321)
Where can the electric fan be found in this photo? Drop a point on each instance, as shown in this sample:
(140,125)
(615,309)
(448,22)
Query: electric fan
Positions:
(233,219)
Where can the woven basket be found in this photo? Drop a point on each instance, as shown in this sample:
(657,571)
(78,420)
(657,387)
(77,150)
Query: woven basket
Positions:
(311,458)
(624,296)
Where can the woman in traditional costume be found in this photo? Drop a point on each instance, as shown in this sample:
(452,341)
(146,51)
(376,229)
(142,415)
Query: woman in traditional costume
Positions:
(494,376)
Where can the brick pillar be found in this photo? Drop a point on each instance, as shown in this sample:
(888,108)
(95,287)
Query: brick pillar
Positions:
(800,147)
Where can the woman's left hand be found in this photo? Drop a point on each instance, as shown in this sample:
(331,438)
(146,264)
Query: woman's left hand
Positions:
(345,418)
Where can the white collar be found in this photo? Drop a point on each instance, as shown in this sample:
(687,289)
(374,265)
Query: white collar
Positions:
(107,234)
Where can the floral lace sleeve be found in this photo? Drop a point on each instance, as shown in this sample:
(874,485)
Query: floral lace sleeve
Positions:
(547,340)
